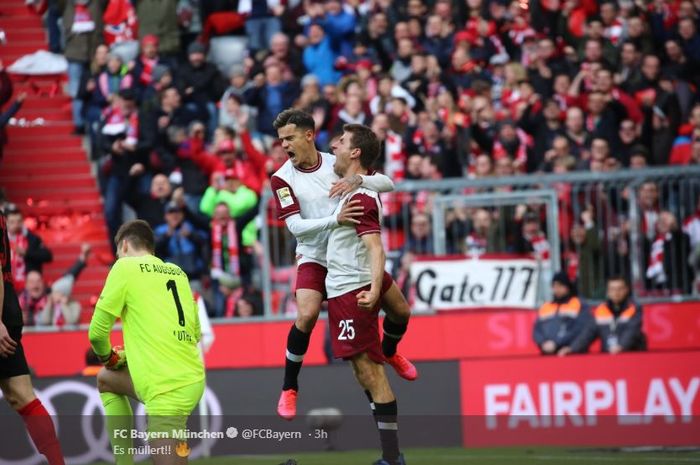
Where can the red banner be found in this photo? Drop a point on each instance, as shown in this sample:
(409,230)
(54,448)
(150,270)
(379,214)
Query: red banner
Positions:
(452,335)
(601,400)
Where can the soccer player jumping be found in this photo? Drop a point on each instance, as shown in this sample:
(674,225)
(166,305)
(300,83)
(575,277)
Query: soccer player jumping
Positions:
(356,283)
(304,189)
(161,331)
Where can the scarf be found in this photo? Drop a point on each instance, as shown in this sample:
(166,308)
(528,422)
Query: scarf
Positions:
(19,267)
(231,247)
(395,168)
(231,302)
(58,319)
(121,24)
(147,74)
(655,270)
(540,246)
(31,306)
(112,83)
(82,21)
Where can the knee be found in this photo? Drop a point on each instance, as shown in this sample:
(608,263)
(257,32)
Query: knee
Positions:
(366,377)
(306,320)
(103,380)
(18,399)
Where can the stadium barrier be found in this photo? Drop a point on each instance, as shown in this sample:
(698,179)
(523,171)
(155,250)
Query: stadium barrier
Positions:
(622,244)
(631,399)
(445,335)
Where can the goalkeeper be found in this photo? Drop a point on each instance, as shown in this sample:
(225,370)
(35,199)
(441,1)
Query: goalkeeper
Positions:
(161,330)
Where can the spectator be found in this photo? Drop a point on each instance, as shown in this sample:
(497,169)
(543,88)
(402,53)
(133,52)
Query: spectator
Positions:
(42,305)
(28,252)
(618,321)
(286,55)
(179,242)
(146,63)
(420,239)
(561,325)
(82,30)
(159,18)
(271,94)
(668,263)
(60,308)
(262,21)
(201,84)
(124,161)
(6,115)
(582,259)
(532,239)
(150,207)
(319,56)
(484,236)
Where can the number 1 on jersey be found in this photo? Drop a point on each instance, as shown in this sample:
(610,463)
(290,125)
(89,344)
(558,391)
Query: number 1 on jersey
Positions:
(180,313)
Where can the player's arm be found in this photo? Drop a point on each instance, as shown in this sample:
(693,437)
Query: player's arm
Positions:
(369,230)
(366,300)
(100,327)
(347,216)
(376,182)
(109,307)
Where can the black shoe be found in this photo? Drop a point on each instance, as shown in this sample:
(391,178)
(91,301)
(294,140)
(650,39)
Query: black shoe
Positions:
(399,461)
(78,131)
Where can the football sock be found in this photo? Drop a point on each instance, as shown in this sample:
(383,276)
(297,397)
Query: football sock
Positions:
(386,415)
(297,344)
(371,403)
(393,332)
(118,416)
(41,430)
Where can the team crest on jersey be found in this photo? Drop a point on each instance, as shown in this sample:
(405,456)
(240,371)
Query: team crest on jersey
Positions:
(285,196)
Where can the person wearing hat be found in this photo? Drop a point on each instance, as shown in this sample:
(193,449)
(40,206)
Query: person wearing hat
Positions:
(201,84)
(145,64)
(562,324)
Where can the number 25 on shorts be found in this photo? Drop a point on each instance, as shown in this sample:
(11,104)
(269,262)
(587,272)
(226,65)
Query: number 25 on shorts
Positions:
(347,331)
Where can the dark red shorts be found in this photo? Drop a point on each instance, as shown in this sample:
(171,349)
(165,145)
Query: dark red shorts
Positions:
(312,276)
(354,331)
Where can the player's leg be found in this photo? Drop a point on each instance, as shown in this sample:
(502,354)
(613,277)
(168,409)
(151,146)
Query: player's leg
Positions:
(115,388)
(372,377)
(398,312)
(310,290)
(19,393)
(168,413)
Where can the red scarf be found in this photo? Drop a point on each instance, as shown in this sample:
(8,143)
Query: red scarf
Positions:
(58,319)
(655,270)
(31,307)
(540,246)
(147,73)
(395,168)
(231,302)
(82,20)
(231,246)
(19,268)
(103,82)
(120,21)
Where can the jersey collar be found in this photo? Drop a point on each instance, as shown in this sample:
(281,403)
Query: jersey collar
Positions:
(313,168)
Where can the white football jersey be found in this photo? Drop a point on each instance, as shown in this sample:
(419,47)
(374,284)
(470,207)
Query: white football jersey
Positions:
(305,191)
(348,258)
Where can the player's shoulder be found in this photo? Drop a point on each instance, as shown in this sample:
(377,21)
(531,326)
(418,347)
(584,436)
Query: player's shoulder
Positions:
(364,195)
(283,171)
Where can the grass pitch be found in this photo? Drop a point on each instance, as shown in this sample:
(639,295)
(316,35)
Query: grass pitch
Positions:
(458,456)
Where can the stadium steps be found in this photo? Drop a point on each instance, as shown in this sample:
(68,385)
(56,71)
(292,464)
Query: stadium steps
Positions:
(45,169)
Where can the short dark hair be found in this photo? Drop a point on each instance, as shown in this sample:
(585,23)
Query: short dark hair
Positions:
(138,233)
(300,119)
(618,277)
(363,138)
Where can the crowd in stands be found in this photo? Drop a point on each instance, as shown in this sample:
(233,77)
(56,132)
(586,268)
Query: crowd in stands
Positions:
(478,89)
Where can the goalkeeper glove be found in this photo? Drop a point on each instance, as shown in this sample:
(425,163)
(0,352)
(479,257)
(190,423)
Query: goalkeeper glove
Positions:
(115,360)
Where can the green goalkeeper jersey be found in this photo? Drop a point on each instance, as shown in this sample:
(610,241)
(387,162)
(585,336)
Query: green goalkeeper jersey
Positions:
(160,323)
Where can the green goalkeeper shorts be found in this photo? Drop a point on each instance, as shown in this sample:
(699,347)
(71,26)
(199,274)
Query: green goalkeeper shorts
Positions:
(168,412)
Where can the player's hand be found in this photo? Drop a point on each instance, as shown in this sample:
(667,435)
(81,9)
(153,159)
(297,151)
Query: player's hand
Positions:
(7,344)
(345,186)
(564,351)
(366,300)
(116,360)
(616,349)
(350,213)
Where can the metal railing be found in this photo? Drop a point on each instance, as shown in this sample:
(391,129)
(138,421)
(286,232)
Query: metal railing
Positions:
(619,242)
